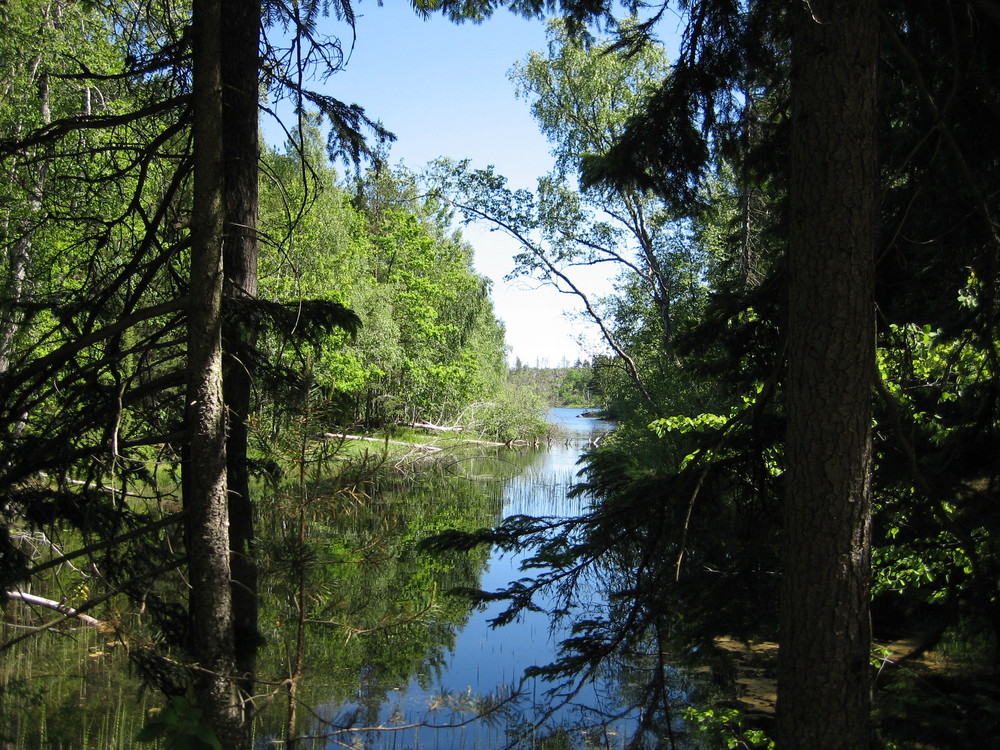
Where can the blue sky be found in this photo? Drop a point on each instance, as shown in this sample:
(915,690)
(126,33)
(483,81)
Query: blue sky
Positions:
(443,90)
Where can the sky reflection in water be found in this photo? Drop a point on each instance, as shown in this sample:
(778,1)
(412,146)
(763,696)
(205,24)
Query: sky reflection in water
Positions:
(484,659)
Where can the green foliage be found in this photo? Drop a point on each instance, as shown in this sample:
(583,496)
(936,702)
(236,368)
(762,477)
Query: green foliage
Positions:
(576,387)
(917,354)
(724,729)
(683,424)
(91,303)
(931,569)
(429,344)
(581,98)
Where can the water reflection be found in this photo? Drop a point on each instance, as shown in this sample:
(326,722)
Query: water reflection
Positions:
(381,645)
(449,688)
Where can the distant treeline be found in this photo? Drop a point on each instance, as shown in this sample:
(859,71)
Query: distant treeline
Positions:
(558,386)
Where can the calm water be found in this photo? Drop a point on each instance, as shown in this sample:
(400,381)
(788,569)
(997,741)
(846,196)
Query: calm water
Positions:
(484,660)
(434,664)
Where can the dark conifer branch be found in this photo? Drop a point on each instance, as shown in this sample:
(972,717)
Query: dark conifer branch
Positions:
(72,125)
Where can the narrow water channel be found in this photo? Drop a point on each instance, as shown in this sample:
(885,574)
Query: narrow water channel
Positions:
(436,710)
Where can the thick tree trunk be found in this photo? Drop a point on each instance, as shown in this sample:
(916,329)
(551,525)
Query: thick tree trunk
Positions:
(824,684)
(241,35)
(205,495)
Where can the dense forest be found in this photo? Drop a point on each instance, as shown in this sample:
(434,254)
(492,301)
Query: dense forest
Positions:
(197,330)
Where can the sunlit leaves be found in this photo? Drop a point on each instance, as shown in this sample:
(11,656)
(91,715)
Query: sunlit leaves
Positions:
(932,568)
(931,374)
(582,98)
(429,345)
(684,424)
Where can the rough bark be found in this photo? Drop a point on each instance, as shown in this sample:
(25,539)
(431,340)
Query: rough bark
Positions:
(205,490)
(824,683)
(240,87)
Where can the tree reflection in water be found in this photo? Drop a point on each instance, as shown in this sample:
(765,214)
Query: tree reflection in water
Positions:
(447,679)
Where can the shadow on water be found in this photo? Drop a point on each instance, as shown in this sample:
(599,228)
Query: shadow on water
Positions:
(438,706)
(388,660)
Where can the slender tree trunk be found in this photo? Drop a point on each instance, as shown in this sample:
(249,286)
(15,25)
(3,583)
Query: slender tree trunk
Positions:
(19,250)
(205,495)
(824,682)
(18,256)
(240,87)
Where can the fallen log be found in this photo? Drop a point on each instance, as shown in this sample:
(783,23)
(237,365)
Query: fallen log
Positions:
(52,604)
(418,446)
(431,427)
